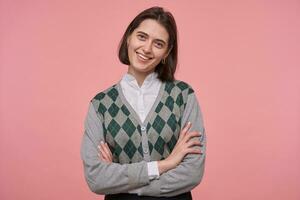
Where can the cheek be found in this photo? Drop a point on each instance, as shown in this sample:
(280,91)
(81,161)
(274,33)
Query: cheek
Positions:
(133,44)
(130,49)
(160,54)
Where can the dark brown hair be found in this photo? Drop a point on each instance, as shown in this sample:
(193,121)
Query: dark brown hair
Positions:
(167,70)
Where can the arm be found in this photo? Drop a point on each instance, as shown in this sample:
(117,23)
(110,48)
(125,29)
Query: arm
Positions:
(102,177)
(189,172)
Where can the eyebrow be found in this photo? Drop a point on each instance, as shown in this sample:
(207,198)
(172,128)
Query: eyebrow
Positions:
(155,39)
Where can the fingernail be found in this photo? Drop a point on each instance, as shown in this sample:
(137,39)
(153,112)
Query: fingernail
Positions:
(101,142)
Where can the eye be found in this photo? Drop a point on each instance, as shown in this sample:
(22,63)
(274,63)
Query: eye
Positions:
(141,37)
(159,45)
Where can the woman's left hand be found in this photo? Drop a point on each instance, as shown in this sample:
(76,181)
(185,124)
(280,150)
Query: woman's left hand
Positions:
(105,153)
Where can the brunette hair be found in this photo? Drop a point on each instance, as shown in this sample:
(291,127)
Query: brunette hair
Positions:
(164,70)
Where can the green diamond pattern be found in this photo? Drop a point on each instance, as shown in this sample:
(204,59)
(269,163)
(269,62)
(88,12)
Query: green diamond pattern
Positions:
(163,123)
(170,103)
(172,122)
(179,100)
(113,128)
(150,146)
(190,91)
(159,145)
(179,121)
(113,110)
(102,109)
(158,124)
(139,129)
(100,96)
(117,150)
(148,126)
(125,110)
(159,107)
(130,149)
(128,127)
(171,144)
(140,150)
(113,94)
(169,87)
(182,85)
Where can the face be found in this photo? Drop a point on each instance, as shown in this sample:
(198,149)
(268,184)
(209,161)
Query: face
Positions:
(147,46)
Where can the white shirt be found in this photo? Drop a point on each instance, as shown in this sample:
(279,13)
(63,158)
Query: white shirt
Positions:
(141,100)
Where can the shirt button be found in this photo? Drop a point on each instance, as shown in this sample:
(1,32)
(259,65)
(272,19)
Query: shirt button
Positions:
(143,128)
(145,151)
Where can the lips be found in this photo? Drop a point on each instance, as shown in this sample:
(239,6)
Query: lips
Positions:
(143,57)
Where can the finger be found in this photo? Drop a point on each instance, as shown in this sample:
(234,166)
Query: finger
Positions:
(104,159)
(106,150)
(192,143)
(100,149)
(101,157)
(192,134)
(187,127)
(194,151)
(107,147)
(103,152)
(185,130)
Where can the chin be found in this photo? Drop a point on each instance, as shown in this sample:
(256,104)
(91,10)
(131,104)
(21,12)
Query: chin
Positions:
(143,69)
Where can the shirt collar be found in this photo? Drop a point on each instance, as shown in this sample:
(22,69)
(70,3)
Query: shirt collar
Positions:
(150,78)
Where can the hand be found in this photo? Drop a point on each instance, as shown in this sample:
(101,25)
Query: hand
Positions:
(105,153)
(185,145)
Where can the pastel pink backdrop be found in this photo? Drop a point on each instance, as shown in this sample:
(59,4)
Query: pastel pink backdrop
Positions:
(241,57)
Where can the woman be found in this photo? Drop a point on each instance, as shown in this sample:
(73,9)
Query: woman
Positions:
(144,136)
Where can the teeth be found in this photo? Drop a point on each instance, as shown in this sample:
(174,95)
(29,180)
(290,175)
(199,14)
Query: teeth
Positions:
(143,57)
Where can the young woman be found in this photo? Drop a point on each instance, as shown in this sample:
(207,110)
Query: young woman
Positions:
(144,136)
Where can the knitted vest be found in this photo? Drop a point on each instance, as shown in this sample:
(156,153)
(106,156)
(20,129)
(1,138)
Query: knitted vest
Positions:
(123,130)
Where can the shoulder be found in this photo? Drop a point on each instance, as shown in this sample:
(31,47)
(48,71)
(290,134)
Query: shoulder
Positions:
(104,98)
(110,92)
(179,86)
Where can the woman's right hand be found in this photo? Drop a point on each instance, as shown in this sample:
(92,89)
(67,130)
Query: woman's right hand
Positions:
(185,145)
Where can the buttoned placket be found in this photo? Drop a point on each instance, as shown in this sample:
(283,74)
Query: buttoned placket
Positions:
(141,106)
(143,124)
(145,145)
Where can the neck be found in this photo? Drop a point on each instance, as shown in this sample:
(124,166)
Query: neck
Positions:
(139,76)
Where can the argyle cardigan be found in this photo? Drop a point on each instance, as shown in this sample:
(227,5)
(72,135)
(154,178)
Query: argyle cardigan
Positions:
(133,143)
(122,129)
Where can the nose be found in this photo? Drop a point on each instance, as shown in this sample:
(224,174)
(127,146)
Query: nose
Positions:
(147,47)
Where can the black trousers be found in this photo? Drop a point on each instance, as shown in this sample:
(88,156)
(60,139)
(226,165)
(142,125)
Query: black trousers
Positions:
(125,196)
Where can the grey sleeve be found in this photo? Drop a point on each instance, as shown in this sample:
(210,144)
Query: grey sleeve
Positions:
(188,174)
(102,177)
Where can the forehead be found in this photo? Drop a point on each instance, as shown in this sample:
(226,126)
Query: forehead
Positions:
(153,29)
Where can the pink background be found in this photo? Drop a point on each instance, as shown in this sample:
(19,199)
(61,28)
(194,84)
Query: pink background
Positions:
(241,57)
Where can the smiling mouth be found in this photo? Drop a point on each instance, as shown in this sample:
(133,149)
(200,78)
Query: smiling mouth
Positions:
(143,57)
